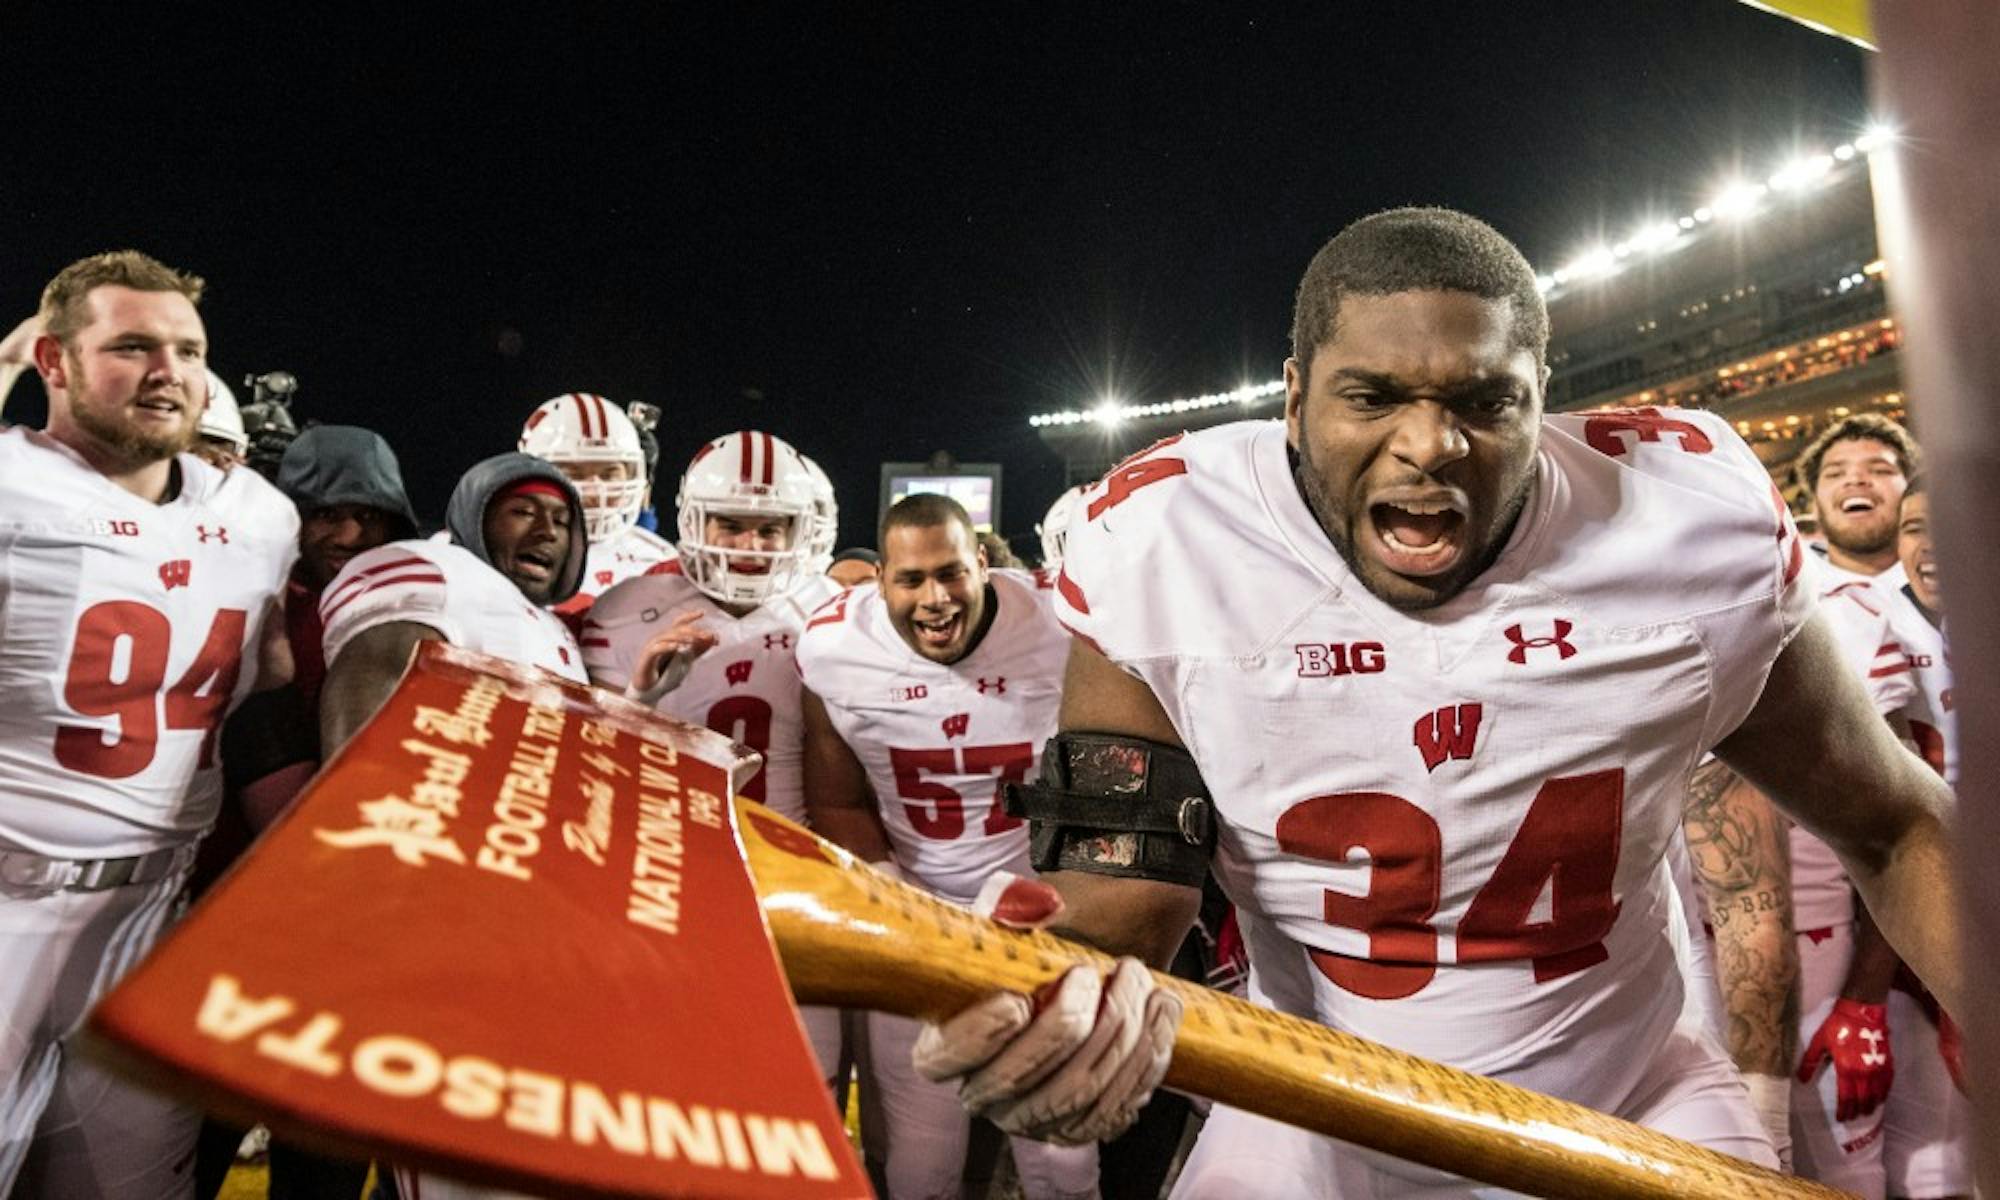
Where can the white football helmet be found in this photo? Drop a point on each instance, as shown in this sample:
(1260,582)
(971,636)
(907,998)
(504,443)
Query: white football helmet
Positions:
(826,519)
(1055,525)
(746,474)
(222,419)
(583,430)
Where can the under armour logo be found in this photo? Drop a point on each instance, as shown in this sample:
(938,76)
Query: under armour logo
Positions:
(1875,1055)
(777,641)
(1523,643)
(174,573)
(218,533)
(956,724)
(996,685)
(737,673)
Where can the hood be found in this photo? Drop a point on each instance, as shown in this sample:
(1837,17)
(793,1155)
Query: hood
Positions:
(343,464)
(465,515)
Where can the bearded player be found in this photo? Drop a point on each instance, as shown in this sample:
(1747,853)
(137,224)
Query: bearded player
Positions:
(1445,705)
(1863,1117)
(129,600)
(593,442)
(709,636)
(924,696)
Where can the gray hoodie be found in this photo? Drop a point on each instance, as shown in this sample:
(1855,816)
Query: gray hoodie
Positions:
(345,464)
(465,514)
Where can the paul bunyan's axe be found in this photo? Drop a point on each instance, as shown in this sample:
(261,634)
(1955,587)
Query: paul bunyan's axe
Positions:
(516,931)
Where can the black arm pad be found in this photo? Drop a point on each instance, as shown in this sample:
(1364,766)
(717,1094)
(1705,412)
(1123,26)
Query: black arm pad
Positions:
(1110,804)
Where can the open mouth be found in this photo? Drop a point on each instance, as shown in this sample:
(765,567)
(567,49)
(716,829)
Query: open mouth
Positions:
(1418,536)
(1857,504)
(1927,575)
(160,405)
(535,564)
(939,633)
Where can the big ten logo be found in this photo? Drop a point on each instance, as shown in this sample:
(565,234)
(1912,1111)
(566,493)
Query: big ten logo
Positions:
(104,528)
(1321,660)
(915,691)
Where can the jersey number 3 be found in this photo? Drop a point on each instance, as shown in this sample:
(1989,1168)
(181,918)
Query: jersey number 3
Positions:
(117,668)
(1567,846)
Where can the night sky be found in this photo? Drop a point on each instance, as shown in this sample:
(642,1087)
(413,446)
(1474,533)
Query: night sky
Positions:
(873,231)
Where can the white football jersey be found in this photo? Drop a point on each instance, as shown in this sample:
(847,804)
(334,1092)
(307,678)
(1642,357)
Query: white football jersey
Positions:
(251,500)
(452,590)
(1932,713)
(128,630)
(1444,829)
(746,688)
(628,554)
(938,741)
(1822,897)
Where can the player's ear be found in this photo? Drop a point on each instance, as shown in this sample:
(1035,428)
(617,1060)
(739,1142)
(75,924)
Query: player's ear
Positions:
(1295,401)
(48,353)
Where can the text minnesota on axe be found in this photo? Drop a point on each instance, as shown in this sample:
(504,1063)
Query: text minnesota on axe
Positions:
(507,932)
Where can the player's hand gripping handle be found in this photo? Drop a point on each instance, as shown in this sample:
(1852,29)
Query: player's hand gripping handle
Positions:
(1073,1065)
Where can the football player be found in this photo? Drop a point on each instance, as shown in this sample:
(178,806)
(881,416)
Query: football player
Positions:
(924,696)
(517,550)
(591,440)
(1443,707)
(709,636)
(129,602)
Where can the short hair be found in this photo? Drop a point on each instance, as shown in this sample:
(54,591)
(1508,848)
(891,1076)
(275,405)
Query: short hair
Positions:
(62,300)
(1416,250)
(1872,427)
(1918,484)
(924,509)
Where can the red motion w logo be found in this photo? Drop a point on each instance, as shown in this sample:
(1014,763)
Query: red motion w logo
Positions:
(1450,732)
(737,673)
(174,573)
(956,724)
(1523,643)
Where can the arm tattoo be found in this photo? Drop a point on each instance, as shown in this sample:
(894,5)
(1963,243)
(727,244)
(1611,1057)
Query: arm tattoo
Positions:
(1742,863)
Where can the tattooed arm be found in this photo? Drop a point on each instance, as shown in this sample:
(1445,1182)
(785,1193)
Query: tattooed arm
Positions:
(1743,865)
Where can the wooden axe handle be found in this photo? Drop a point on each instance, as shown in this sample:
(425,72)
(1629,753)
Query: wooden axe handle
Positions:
(853,937)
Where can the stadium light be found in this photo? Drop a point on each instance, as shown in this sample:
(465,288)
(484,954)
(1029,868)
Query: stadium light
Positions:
(1877,136)
(1737,200)
(1801,172)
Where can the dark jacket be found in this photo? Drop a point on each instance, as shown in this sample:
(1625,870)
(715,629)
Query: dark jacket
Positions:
(345,464)
(465,514)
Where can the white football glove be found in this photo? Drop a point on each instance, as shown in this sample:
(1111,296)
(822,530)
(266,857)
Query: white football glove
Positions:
(1072,1065)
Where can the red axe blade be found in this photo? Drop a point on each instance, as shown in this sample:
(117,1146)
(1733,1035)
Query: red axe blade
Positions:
(494,823)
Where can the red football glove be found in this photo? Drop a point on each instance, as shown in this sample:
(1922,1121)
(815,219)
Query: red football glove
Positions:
(1856,1037)
(1952,1046)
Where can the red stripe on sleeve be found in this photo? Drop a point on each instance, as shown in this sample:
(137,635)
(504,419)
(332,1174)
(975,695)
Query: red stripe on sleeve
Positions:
(427,577)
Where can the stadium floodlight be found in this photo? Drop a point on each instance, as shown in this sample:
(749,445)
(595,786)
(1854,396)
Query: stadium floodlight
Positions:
(1844,151)
(1655,236)
(1544,283)
(1801,172)
(1108,413)
(1590,264)
(1877,136)
(1737,200)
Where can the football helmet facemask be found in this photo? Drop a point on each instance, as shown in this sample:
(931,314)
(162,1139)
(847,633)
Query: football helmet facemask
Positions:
(746,475)
(583,435)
